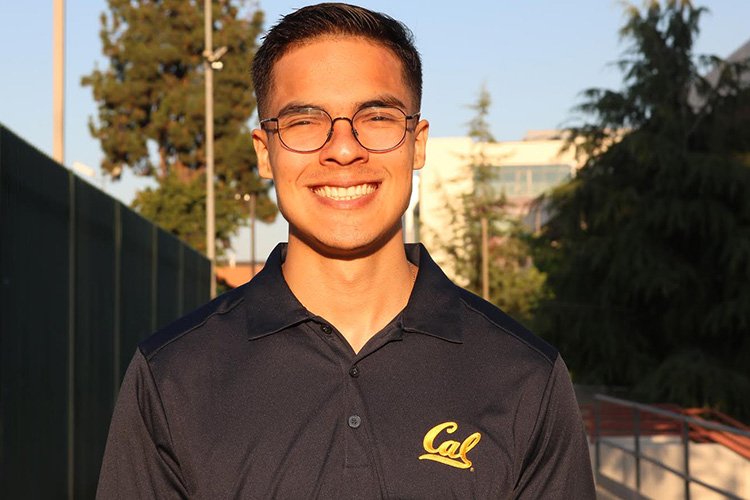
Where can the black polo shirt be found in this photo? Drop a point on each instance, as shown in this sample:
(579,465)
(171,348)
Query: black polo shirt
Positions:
(254,397)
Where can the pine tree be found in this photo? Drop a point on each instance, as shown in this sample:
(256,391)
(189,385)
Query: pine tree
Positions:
(648,251)
(515,284)
(151,117)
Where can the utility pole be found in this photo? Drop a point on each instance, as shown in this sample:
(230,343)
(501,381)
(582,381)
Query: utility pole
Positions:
(58,81)
(252,232)
(58,154)
(485,260)
(210,214)
(250,198)
(210,63)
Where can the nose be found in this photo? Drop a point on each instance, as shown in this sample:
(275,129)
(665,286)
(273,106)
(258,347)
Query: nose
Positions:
(342,146)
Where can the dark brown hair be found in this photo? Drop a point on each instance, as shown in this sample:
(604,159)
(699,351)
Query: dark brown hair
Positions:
(323,19)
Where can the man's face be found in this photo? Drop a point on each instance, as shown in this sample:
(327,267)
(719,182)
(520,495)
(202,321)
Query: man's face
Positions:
(341,75)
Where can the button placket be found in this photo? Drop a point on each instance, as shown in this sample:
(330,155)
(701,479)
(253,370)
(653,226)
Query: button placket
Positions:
(354,420)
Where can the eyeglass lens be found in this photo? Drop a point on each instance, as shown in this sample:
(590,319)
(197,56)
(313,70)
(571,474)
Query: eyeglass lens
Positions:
(376,129)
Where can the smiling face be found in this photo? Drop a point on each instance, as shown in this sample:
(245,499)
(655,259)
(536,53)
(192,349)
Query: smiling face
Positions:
(341,199)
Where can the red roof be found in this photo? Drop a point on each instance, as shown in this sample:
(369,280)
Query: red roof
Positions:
(237,275)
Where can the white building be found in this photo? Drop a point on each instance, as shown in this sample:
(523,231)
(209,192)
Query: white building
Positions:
(527,169)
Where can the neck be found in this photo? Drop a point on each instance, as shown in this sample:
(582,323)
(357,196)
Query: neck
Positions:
(360,295)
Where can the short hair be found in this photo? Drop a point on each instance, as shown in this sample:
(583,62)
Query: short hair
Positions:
(315,21)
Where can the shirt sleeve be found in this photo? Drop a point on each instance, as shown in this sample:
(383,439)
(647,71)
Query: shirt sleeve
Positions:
(139,460)
(556,464)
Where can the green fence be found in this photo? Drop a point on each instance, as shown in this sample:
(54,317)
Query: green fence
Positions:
(82,280)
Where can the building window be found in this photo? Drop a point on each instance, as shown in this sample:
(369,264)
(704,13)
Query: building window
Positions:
(530,180)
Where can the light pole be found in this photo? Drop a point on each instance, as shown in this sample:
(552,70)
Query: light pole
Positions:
(485,260)
(210,63)
(210,217)
(58,81)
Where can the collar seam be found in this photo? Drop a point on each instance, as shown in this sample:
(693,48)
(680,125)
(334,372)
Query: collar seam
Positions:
(445,338)
(285,326)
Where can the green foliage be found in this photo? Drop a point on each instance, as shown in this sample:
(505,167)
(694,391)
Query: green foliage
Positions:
(479,127)
(179,206)
(151,110)
(648,250)
(515,284)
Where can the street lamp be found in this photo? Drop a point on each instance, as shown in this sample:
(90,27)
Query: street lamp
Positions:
(210,63)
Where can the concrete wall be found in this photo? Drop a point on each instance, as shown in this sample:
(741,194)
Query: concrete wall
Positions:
(710,463)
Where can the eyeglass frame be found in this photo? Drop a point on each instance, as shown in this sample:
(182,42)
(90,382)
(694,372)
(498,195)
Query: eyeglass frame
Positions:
(351,125)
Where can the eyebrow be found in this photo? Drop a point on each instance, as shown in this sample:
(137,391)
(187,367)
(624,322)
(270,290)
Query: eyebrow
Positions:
(295,106)
(383,100)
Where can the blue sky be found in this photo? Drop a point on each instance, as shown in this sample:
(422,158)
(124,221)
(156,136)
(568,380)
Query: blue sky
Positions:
(534,56)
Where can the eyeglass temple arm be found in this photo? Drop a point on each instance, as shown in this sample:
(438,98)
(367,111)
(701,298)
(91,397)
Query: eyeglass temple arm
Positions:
(263,124)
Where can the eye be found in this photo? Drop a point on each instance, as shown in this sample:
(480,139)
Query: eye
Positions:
(301,121)
(380,115)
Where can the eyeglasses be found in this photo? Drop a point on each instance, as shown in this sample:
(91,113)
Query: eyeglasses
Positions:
(305,130)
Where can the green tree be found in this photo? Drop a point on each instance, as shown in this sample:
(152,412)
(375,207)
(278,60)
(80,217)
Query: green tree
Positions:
(515,284)
(151,110)
(648,249)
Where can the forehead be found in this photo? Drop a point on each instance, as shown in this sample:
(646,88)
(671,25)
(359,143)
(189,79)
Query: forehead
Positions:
(334,72)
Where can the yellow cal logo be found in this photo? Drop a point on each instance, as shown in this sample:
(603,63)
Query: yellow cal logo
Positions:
(449,452)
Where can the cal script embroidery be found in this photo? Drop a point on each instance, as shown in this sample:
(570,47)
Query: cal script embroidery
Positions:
(450,452)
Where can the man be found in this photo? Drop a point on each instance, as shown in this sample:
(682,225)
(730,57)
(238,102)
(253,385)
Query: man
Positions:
(350,367)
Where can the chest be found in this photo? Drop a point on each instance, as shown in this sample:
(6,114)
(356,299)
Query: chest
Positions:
(323,424)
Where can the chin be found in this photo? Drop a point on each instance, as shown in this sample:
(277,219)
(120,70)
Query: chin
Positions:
(349,244)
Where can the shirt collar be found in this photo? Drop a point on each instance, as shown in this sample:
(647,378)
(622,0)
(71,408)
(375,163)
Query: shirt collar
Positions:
(435,302)
(433,308)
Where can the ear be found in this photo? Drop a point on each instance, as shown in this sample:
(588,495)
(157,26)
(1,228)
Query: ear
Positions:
(420,144)
(260,143)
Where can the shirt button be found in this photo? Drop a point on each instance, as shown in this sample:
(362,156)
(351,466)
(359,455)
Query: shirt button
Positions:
(326,328)
(355,421)
(354,371)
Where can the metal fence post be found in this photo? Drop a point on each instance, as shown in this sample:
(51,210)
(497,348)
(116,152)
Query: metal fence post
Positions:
(180,280)
(154,276)
(597,456)
(71,416)
(686,450)
(637,423)
(117,307)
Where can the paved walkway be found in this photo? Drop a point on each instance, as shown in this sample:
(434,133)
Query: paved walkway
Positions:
(602,494)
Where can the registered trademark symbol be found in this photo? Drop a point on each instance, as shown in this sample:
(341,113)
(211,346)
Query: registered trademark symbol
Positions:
(471,470)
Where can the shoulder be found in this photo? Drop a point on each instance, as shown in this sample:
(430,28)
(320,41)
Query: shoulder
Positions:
(209,318)
(441,308)
(492,324)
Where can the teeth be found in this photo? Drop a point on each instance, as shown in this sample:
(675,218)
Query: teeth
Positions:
(342,193)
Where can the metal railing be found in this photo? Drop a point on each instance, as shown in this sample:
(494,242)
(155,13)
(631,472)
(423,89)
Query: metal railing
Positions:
(685,423)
